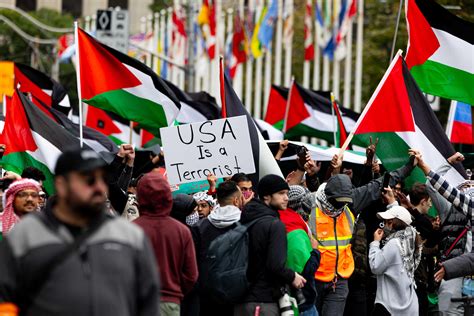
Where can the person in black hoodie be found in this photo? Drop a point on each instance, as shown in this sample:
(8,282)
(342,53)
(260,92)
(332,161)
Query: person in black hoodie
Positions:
(266,272)
(223,217)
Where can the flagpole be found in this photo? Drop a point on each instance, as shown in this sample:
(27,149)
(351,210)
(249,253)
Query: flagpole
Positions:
(369,104)
(287,110)
(78,79)
(449,125)
(334,118)
(221,84)
(396,30)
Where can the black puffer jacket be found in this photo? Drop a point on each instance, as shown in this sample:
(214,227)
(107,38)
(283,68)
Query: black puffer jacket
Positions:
(267,270)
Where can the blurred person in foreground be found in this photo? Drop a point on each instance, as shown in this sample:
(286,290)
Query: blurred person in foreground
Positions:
(75,259)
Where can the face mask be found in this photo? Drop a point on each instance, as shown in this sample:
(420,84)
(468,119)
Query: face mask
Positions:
(246,194)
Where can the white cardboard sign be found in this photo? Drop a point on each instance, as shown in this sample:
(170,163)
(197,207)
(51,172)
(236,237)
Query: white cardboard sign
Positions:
(221,147)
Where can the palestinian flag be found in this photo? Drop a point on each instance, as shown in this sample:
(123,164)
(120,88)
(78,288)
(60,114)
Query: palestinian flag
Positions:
(43,89)
(111,125)
(265,163)
(401,117)
(310,113)
(341,134)
(33,139)
(440,51)
(97,141)
(277,102)
(113,81)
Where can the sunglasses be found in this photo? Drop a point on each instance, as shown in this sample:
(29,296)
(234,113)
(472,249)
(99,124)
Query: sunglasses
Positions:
(91,179)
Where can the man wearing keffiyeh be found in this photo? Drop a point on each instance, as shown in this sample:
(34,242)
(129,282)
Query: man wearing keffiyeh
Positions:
(21,198)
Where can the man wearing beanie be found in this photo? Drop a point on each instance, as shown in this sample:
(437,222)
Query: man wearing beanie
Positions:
(171,241)
(267,272)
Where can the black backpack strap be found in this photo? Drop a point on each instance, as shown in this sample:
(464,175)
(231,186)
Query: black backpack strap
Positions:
(31,290)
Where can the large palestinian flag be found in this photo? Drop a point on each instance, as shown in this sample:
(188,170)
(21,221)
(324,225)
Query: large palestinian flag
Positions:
(115,82)
(401,117)
(265,163)
(43,89)
(33,139)
(311,113)
(440,52)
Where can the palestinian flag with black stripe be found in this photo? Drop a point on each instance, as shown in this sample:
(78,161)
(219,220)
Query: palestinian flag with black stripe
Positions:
(33,139)
(310,113)
(401,117)
(113,81)
(43,89)
(265,163)
(440,53)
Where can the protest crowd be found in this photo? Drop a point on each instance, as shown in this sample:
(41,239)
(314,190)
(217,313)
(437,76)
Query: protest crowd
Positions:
(339,241)
(209,213)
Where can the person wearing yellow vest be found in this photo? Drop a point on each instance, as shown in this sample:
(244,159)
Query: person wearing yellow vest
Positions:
(332,223)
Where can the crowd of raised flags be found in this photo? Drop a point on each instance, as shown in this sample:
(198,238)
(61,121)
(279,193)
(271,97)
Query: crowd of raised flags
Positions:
(129,102)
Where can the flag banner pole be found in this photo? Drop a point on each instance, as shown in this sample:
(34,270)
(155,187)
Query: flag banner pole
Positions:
(130,136)
(78,79)
(221,84)
(287,110)
(396,30)
(334,119)
(369,104)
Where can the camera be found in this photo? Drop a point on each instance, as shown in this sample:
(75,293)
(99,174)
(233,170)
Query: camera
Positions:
(286,302)
(299,296)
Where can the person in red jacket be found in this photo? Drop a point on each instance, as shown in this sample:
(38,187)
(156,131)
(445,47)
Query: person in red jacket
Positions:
(171,240)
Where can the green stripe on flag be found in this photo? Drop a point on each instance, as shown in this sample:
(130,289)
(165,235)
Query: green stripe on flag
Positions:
(444,81)
(18,161)
(150,115)
(392,151)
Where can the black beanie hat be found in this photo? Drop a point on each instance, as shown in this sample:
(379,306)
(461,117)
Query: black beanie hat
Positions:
(271,184)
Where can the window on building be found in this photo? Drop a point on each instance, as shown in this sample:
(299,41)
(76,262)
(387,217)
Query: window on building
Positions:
(72,7)
(123,4)
(27,5)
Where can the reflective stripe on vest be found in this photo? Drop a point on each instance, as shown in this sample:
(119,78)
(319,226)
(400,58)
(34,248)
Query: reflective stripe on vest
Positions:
(329,242)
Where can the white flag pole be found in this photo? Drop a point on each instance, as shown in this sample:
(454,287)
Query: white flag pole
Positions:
(78,79)
(449,125)
(359,52)
(287,110)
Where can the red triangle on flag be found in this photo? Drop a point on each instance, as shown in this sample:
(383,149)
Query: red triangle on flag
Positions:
(422,41)
(389,109)
(100,70)
(100,121)
(297,111)
(276,107)
(17,133)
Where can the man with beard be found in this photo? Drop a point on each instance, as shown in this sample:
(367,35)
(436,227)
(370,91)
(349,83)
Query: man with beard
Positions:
(74,258)
(267,272)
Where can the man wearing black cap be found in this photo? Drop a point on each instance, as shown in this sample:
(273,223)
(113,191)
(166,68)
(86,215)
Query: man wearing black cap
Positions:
(74,258)
(266,272)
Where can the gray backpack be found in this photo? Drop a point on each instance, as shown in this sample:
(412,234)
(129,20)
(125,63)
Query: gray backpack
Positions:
(227,259)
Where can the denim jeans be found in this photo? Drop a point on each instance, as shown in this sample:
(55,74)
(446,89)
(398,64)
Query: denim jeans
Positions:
(310,312)
(331,301)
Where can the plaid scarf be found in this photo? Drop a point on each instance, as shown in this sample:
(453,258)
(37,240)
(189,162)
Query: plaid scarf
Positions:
(410,257)
(326,207)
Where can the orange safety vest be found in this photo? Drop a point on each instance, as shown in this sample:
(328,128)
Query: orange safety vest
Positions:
(334,237)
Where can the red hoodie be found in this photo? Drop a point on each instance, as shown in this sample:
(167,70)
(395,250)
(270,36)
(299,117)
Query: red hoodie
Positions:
(171,240)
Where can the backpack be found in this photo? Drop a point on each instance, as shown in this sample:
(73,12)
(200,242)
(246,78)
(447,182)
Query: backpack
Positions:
(227,259)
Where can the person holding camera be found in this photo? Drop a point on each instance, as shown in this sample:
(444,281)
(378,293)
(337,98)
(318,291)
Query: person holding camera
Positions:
(395,263)
(267,272)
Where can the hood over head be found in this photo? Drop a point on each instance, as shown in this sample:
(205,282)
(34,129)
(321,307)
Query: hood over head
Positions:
(154,195)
